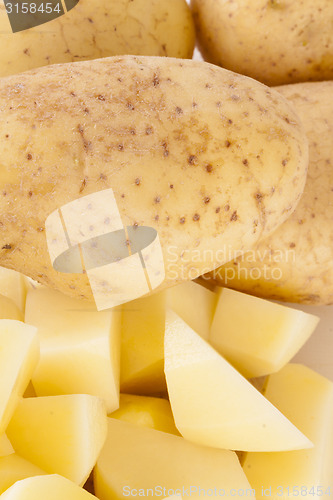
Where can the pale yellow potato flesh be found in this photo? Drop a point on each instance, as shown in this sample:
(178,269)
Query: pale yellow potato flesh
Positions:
(146,411)
(142,340)
(295,263)
(79,346)
(13,286)
(14,468)
(9,310)
(228,156)
(19,355)
(99,28)
(52,487)
(139,458)
(257,336)
(195,304)
(307,399)
(213,404)
(61,434)
(6,447)
(274,41)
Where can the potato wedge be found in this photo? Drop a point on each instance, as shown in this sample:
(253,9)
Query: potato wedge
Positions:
(211,160)
(99,28)
(295,263)
(274,41)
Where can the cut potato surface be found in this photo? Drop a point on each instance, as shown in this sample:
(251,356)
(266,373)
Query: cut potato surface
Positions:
(146,411)
(6,447)
(213,404)
(195,304)
(60,434)
(12,285)
(112,122)
(137,458)
(52,487)
(80,347)
(19,354)
(9,310)
(142,352)
(257,336)
(14,468)
(306,398)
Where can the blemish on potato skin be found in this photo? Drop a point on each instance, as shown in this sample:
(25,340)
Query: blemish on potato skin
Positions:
(196,217)
(206,200)
(137,181)
(157,199)
(29,156)
(209,168)
(103,177)
(7,247)
(292,245)
(218,210)
(246,162)
(234,216)
(83,185)
(182,220)
(149,131)
(227,144)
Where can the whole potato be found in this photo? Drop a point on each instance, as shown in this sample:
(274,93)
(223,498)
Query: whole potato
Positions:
(208,158)
(296,262)
(99,28)
(274,41)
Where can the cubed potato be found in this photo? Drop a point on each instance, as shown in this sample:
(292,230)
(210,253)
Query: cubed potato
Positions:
(258,336)
(6,447)
(12,285)
(9,310)
(52,487)
(146,411)
(19,354)
(306,398)
(14,468)
(195,304)
(137,458)
(142,334)
(60,434)
(80,347)
(213,404)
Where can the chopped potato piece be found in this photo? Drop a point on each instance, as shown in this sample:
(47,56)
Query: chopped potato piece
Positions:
(258,336)
(9,310)
(145,411)
(19,354)
(50,487)
(213,404)
(195,304)
(142,334)
(306,398)
(60,434)
(12,285)
(14,468)
(139,458)
(80,347)
(6,447)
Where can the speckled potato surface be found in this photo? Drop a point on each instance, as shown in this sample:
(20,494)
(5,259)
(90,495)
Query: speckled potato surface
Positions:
(211,159)
(296,262)
(274,41)
(99,28)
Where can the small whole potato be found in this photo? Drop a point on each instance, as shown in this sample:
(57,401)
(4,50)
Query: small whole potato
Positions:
(99,28)
(274,41)
(210,159)
(295,263)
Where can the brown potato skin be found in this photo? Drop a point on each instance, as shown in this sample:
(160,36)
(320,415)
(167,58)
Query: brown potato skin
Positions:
(297,258)
(100,28)
(277,42)
(207,157)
